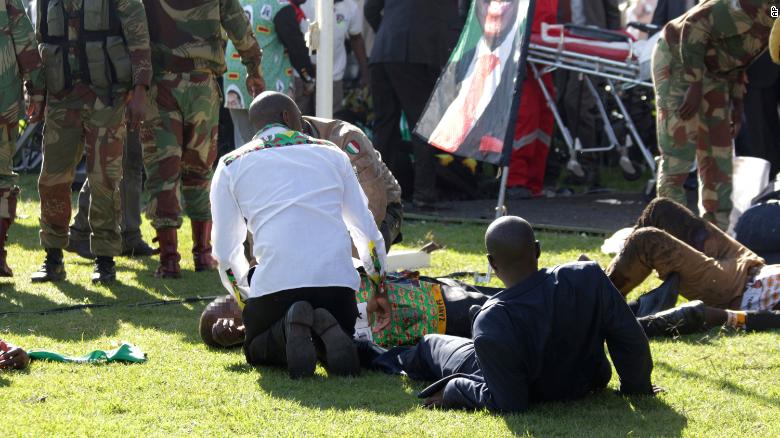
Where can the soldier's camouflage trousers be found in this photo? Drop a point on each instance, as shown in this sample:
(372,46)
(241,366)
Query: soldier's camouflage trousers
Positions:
(77,121)
(705,138)
(9,130)
(180,145)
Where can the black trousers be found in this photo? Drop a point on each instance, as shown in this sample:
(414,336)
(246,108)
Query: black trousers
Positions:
(458,299)
(437,357)
(262,312)
(404,87)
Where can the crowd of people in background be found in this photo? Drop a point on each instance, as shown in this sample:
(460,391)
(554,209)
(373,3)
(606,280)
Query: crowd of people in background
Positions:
(402,60)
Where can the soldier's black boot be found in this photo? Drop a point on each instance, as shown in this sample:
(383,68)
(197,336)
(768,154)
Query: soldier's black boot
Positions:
(105,270)
(340,353)
(682,320)
(53,269)
(659,299)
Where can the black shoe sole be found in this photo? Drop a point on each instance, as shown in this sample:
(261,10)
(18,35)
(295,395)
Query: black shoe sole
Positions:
(300,352)
(340,351)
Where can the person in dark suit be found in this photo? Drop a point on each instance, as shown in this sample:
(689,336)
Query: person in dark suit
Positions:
(541,339)
(668,10)
(414,40)
(760,133)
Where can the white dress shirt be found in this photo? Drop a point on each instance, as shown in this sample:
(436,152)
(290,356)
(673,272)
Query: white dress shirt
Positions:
(302,203)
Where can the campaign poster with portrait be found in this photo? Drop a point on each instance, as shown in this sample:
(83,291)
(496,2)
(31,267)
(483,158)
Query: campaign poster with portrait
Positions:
(470,110)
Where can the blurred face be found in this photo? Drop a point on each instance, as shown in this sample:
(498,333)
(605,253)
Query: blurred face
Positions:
(496,18)
(233,100)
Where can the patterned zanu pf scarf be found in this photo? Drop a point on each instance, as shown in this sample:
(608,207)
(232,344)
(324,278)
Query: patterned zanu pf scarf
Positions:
(273,136)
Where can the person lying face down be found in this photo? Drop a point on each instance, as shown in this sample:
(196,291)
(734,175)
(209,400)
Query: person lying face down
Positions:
(541,339)
(12,357)
(422,305)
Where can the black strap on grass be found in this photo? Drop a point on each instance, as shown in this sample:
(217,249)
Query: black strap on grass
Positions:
(75,307)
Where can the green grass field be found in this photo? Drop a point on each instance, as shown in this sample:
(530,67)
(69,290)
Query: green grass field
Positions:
(718,384)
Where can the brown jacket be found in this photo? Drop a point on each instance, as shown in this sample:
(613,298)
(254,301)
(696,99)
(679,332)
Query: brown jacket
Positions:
(379,185)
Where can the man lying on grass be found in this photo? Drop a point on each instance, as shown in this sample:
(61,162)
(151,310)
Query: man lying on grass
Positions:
(12,357)
(715,271)
(422,305)
(541,339)
(301,200)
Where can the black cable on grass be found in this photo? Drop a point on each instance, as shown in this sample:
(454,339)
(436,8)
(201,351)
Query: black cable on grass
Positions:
(96,306)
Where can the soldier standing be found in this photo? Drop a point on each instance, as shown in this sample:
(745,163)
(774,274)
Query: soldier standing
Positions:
(16,38)
(699,78)
(97,65)
(180,135)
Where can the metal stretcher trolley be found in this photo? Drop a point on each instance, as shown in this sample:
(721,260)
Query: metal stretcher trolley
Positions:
(612,58)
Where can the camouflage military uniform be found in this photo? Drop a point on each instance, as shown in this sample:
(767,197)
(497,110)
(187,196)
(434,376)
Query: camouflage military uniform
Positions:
(86,109)
(180,134)
(713,43)
(17,43)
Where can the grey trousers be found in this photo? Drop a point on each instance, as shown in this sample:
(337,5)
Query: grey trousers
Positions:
(306,103)
(130,190)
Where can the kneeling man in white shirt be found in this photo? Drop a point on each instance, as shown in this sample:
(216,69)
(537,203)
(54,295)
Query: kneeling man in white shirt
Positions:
(301,200)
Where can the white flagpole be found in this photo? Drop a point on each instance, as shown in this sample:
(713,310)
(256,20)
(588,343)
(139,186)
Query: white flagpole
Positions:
(324,97)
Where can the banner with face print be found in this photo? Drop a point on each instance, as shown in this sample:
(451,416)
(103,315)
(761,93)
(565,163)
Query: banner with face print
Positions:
(277,68)
(472,109)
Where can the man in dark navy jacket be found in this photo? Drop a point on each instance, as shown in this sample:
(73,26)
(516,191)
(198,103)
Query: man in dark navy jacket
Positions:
(541,339)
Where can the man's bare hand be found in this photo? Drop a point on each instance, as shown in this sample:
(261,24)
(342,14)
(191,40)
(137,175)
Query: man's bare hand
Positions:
(136,107)
(379,307)
(691,101)
(35,110)
(435,401)
(226,333)
(255,84)
(15,358)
